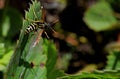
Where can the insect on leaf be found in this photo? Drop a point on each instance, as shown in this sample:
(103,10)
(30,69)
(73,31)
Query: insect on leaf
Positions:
(28,62)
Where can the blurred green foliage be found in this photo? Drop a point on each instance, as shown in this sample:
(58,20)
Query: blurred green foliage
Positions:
(11,22)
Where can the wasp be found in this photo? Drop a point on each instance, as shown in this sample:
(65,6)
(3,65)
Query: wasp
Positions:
(42,24)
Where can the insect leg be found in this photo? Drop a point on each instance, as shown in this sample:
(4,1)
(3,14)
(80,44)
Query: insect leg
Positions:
(52,29)
(46,34)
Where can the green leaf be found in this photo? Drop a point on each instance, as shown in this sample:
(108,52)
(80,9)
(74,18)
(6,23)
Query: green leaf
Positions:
(104,74)
(52,71)
(26,58)
(113,61)
(5,60)
(52,57)
(99,17)
(55,73)
(31,61)
(2,49)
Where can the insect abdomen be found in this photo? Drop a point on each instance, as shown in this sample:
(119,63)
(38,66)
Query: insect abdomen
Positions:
(31,27)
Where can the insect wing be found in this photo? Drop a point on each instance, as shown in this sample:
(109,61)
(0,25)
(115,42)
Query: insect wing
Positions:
(37,39)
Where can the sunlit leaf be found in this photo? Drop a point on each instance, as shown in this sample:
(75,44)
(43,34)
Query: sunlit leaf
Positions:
(5,60)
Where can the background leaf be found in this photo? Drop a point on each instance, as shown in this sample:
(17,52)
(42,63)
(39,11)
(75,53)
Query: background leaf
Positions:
(99,17)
